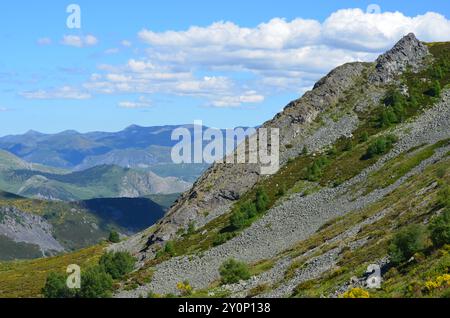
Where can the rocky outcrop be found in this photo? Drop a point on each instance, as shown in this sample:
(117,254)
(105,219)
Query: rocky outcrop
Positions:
(27,228)
(221,185)
(408,52)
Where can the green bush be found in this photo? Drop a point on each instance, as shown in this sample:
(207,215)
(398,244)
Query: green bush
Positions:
(96,283)
(262,200)
(304,151)
(248,210)
(379,146)
(169,248)
(440,229)
(348,145)
(434,90)
(444,196)
(238,220)
(315,170)
(222,238)
(407,242)
(233,271)
(56,287)
(364,136)
(114,237)
(117,264)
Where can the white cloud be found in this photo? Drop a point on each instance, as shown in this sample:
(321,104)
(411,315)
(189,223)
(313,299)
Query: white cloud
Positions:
(357,30)
(142,102)
(237,101)
(276,56)
(44,41)
(79,41)
(65,92)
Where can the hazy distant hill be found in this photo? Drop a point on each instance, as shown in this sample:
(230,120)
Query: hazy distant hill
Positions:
(134,147)
(33,228)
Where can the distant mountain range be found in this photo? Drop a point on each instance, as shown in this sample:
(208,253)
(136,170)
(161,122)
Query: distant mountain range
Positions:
(134,147)
(105,181)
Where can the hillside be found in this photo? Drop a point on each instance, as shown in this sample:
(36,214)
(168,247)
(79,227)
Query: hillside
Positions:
(103,181)
(364,163)
(364,154)
(34,228)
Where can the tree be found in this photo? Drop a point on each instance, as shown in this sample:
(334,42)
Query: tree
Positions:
(96,283)
(233,271)
(114,237)
(262,200)
(407,242)
(117,264)
(238,220)
(56,287)
(379,146)
(440,229)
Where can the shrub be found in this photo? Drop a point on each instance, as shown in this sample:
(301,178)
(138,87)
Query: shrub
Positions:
(356,293)
(262,200)
(169,248)
(238,220)
(364,136)
(248,210)
(314,171)
(440,229)
(185,288)
(233,271)
(56,287)
(117,264)
(222,238)
(379,146)
(114,237)
(191,228)
(444,196)
(435,89)
(348,145)
(96,283)
(304,151)
(407,242)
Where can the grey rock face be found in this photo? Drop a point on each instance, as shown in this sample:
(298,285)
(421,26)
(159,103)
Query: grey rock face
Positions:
(222,184)
(409,51)
(24,227)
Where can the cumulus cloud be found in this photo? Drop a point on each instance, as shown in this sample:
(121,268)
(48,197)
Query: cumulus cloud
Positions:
(229,65)
(236,101)
(65,92)
(79,41)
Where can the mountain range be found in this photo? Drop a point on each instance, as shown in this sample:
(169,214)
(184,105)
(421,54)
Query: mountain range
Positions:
(104,181)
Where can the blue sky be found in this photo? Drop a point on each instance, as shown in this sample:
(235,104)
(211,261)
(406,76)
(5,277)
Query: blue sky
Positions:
(227,63)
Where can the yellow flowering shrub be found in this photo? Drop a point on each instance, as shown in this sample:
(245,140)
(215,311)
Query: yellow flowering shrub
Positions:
(438,282)
(356,293)
(185,288)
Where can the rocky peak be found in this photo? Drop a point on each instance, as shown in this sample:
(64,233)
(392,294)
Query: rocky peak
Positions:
(409,51)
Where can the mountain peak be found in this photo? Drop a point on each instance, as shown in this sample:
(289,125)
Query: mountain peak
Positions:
(409,51)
